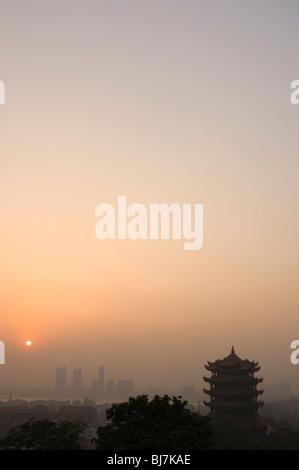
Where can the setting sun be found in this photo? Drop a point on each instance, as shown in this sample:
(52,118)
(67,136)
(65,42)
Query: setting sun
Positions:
(28,343)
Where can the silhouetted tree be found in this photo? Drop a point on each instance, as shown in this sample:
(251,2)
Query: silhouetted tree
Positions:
(44,435)
(163,423)
(232,435)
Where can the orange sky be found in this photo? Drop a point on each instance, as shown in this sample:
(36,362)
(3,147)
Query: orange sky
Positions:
(162,102)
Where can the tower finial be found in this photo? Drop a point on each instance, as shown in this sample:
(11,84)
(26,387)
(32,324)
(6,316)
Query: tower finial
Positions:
(233,350)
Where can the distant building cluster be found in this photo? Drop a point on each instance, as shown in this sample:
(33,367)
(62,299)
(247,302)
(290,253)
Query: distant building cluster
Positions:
(13,415)
(15,412)
(99,388)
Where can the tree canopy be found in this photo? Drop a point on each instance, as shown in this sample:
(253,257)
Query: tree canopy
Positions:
(162,423)
(44,435)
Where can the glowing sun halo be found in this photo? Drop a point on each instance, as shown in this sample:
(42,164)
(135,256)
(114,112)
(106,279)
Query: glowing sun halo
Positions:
(28,343)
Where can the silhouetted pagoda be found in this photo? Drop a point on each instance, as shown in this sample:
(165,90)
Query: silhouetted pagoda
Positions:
(233,392)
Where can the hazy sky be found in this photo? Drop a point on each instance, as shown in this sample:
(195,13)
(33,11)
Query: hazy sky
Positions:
(164,101)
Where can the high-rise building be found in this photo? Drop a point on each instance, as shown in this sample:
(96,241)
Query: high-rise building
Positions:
(233,388)
(110,387)
(94,387)
(101,379)
(77,380)
(60,381)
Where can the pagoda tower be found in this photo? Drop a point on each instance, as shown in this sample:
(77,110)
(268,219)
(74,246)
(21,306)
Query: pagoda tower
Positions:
(233,392)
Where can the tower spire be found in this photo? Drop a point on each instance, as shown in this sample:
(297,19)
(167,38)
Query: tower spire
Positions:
(233,350)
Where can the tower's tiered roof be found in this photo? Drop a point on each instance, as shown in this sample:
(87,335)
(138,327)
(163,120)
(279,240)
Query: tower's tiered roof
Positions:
(233,389)
(232,360)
